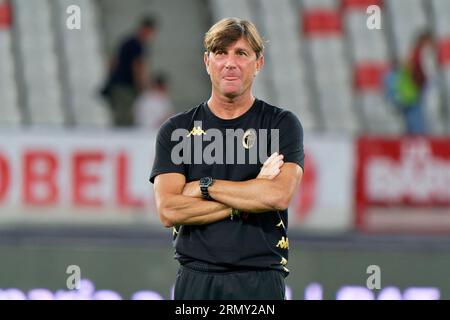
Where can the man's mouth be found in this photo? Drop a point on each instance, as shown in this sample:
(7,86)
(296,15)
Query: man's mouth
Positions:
(230,78)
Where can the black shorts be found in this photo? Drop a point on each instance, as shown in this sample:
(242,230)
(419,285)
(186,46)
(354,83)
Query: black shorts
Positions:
(192,284)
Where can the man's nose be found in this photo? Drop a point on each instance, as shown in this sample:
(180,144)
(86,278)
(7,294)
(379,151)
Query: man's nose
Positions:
(230,62)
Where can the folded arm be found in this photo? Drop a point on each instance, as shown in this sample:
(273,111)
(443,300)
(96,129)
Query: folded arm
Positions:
(259,195)
(175,209)
(273,189)
(180,203)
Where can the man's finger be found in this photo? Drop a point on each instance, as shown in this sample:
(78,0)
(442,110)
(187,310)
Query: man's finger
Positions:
(275,165)
(272,156)
(279,163)
(273,161)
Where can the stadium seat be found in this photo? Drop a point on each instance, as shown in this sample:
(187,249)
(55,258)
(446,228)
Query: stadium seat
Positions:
(441,13)
(39,62)
(9,109)
(288,79)
(444,51)
(321,60)
(324,4)
(370,63)
(380,118)
(366,44)
(408,19)
(323,32)
(359,5)
(368,76)
(81,56)
(321,22)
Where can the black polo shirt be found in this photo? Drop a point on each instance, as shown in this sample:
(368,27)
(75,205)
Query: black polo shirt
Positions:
(255,240)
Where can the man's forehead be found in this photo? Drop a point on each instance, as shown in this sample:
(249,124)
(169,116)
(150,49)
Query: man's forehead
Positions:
(241,43)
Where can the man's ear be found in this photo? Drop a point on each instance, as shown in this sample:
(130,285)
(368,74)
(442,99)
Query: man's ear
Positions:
(206,61)
(259,64)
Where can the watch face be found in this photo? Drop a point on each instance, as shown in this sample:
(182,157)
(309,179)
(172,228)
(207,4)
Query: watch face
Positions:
(205,181)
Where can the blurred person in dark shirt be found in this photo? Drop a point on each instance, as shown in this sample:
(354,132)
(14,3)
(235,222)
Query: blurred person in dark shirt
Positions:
(129,73)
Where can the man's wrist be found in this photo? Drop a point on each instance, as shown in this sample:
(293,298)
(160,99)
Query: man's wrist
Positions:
(204,184)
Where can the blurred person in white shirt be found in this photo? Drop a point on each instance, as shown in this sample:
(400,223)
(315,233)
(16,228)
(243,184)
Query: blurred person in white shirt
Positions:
(154,105)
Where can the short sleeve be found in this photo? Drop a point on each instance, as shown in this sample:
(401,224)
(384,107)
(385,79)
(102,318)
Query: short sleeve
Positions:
(291,138)
(163,149)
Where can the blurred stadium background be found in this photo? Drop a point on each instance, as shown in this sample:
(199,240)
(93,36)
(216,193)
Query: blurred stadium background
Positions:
(75,191)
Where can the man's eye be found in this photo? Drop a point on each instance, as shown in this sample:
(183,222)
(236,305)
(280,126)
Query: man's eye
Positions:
(218,53)
(242,53)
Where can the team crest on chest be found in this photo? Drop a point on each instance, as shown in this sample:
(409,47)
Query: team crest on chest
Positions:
(249,138)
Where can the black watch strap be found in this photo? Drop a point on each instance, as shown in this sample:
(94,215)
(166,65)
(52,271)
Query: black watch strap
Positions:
(205,193)
(205,183)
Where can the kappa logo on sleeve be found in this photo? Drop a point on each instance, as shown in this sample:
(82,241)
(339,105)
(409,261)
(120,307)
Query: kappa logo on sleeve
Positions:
(281,224)
(283,243)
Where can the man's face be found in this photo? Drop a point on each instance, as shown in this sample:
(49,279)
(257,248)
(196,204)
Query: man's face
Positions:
(232,70)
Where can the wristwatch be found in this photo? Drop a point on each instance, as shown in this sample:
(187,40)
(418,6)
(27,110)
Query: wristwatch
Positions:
(205,182)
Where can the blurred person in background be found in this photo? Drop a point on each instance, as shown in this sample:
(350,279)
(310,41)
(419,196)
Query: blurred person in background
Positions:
(129,73)
(424,44)
(401,91)
(406,82)
(229,218)
(154,105)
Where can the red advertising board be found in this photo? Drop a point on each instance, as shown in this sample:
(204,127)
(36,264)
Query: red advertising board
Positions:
(403,184)
(5,14)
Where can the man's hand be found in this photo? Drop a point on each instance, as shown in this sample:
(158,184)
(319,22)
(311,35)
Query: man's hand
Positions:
(192,189)
(271,168)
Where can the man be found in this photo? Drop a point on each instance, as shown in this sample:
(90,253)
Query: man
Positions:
(129,74)
(229,214)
